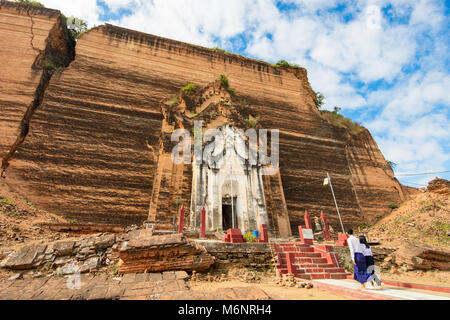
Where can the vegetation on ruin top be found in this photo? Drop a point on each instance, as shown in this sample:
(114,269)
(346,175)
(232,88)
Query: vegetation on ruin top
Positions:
(76,26)
(226,84)
(31,3)
(189,89)
(336,118)
(339,120)
(285,64)
(252,122)
(173,102)
(217,49)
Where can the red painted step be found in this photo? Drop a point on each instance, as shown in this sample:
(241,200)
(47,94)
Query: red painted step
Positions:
(339,276)
(308,255)
(308,262)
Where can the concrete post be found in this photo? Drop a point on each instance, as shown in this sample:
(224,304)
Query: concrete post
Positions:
(308,224)
(326,232)
(203,223)
(181,222)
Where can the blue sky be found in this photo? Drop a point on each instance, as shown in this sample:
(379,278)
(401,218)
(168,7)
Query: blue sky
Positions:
(385,63)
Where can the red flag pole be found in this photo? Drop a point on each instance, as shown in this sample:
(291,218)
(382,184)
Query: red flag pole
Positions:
(326,232)
(307,220)
(181,222)
(203,223)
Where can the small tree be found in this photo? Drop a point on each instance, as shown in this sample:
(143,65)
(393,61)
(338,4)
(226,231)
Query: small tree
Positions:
(76,26)
(392,164)
(319,100)
(336,110)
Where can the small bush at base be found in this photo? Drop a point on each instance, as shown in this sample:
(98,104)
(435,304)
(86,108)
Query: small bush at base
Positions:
(249,237)
(189,88)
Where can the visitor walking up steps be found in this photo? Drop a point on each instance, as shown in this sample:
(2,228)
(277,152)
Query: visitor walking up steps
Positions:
(370,263)
(359,261)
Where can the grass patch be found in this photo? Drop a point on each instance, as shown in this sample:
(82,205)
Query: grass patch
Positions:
(173,102)
(31,3)
(339,120)
(249,237)
(393,206)
(189,88)
(115,269)
(401,220)
(364,225)
(243,102)
(442,226)
(220,50)
(16,214)
(377,218)
(6,201)
(252,122)
(195,114)
(29,203)
(226,84)
(285,64)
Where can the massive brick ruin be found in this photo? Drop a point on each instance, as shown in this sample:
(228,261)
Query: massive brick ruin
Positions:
(84,135)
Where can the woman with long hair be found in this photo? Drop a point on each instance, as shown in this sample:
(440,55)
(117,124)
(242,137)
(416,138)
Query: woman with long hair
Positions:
(359,262)
(370,263)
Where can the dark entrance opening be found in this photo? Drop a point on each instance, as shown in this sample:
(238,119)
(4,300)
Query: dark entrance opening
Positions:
(227,214)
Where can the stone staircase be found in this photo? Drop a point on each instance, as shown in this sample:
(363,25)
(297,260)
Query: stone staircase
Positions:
(308,262)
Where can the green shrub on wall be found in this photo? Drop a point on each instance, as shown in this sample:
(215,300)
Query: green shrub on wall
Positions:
(249,237)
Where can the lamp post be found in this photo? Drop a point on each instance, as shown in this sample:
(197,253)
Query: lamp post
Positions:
(335,202)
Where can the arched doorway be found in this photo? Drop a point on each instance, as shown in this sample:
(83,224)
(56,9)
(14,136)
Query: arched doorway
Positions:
(229,214)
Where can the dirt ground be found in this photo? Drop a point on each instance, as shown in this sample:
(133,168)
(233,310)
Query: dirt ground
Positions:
(19,219)
(424,219)
(274,291)
(431,277)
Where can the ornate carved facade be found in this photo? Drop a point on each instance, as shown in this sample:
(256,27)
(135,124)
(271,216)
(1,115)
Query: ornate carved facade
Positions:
(211,156)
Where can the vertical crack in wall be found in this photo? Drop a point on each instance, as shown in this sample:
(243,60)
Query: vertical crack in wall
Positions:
(59,53)
(32,33)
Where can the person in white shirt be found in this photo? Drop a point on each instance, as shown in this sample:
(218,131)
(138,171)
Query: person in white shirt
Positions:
(370,263)
(359,262)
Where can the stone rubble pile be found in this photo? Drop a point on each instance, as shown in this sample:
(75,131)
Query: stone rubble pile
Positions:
(132,252)
(67,257)
(148,253)
(290,281)
(414,256)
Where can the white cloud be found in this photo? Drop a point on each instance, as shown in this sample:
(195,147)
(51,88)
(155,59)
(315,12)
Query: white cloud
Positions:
(413,127)
(347,59)
(87,10)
